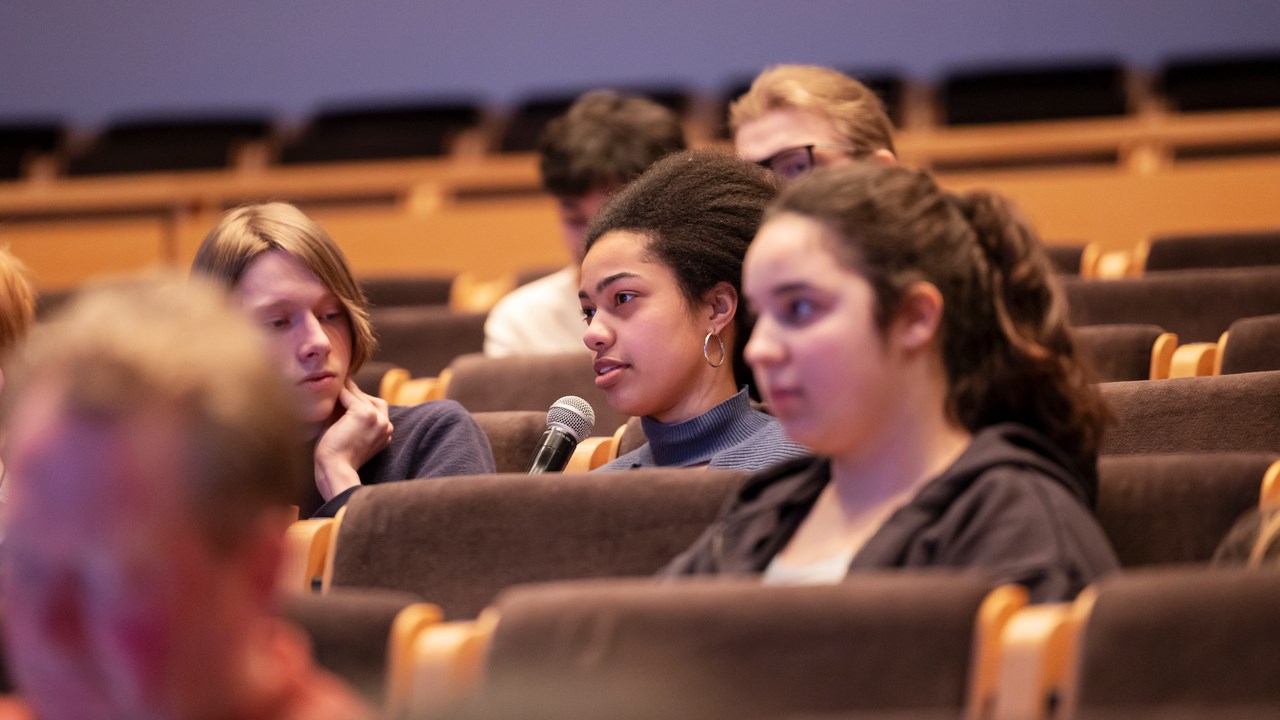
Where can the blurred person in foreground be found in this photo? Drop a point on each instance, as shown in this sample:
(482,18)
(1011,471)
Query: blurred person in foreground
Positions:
(152,460)
(17,314)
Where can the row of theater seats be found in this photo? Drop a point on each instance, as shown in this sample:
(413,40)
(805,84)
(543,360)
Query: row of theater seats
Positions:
(430,127)
(471,546)
(1172,252)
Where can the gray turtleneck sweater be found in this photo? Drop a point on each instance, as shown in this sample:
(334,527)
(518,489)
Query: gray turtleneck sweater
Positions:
(731,435)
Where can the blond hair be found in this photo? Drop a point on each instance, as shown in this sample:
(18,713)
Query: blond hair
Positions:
(17,301)
(126,346)
(246,232)
(851,107)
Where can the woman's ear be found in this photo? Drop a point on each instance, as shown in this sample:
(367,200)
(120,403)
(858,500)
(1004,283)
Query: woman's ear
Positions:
(722,304)
(919,315)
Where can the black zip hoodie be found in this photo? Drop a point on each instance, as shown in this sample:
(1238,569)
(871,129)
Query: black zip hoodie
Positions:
(1012,504)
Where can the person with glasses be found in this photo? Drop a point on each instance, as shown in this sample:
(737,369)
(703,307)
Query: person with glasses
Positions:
(799,117)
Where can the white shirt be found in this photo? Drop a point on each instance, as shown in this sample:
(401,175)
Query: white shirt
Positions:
(541,317)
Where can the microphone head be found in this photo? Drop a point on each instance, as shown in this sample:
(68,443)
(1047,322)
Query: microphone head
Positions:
(574,414)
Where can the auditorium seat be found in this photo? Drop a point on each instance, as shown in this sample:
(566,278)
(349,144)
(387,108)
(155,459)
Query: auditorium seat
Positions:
(916,644)
(529,382)
(1073,258)
(425,339)
(1184,643)
(1217,250)
(396,291)
(1196,84)
(20,141)
(1022,94)
(371,375)
(513,436)
(524,127)
(159,144)
(1196,305)
(378,132)
(457,541)
(1171,509)
(350,632)
(1127,352)
(1220,413)
(1250,345)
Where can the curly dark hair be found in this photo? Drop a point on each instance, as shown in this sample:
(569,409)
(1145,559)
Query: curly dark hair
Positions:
(700,209)
(1007,345)
(604,141)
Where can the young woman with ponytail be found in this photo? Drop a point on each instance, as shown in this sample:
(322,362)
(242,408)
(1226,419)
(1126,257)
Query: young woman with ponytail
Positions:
(917,342)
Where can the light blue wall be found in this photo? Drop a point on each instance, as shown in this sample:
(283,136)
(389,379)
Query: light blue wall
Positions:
(89,60)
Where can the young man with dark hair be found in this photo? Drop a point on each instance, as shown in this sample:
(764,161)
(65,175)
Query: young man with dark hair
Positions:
(603,142)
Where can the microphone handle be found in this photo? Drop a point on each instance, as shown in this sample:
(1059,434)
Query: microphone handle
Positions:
(553,453)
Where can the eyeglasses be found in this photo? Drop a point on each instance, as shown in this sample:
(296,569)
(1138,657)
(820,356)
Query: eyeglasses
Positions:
(791,163)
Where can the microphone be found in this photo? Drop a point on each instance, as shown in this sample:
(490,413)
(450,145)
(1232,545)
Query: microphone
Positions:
(569,422)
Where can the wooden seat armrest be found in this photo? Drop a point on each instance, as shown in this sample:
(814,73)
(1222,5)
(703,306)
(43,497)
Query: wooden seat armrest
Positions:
(306,544)
(592,453)
(448,665)
(1270,496)
(408,625)
(996,610)
(1035,656)
(392,382)
(1193,360)
(416,391)
(1162,351)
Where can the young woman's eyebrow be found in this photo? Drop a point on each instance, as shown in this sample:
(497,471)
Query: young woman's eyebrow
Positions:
(606,282)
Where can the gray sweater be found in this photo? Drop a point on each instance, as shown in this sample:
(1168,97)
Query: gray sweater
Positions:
(731,435)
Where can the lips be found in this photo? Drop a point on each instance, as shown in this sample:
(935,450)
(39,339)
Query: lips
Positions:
(318,378)
(608,372)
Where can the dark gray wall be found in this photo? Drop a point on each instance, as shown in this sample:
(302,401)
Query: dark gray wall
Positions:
(89,60)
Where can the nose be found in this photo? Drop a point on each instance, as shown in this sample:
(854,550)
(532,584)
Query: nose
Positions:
(763,349)
(598,335)
(314,341)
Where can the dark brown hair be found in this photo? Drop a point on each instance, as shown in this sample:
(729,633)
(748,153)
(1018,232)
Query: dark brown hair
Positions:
(604,141)
(700,210)
(1006,343)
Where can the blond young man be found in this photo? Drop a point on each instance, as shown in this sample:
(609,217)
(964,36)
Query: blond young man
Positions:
(798,117)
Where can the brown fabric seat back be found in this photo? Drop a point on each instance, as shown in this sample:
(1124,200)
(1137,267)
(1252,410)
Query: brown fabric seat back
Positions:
(1197,305)
(457,541)
(413,290)
(732,648)
(1253,345)
(1221,250)
(513,436)
(533,382)
(1227,413)
(425,339)
(1065,259)
(349,631)
(1169,509)
(1118,352)
(1199,642)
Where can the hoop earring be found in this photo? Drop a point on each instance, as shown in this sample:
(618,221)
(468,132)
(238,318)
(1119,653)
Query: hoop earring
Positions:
(706,344)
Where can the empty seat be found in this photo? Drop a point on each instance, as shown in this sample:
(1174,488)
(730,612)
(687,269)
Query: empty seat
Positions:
(1222,83)
(1034,93)
(425,339)
(407,290)
(907,643)
(20,141)
(1221,413)
(1196,305)
(164,144)
(1072,259)
(524,128)
(349,633)
(1127,352)
(1218,250)
(457,541)
(1170,509)
(531,382)
(1178,644)
(381,132)
(1251,345)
